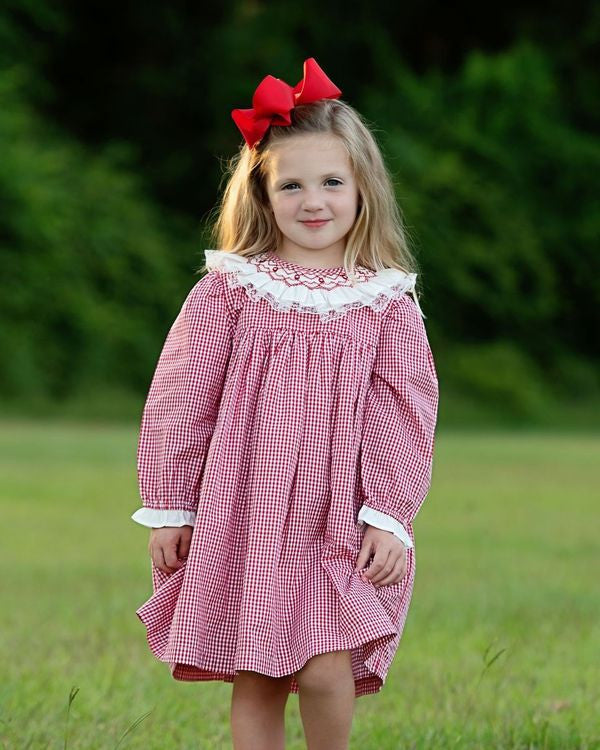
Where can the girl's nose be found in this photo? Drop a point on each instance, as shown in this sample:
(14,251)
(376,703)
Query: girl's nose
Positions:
(312,202)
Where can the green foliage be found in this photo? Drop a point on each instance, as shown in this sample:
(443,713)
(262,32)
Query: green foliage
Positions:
(495,161)
(500,189)
(497,374)
(92,272)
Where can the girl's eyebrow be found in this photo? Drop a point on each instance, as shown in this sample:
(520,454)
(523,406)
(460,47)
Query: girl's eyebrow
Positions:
(323,176)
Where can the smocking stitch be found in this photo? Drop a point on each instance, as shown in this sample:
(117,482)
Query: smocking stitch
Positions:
(325,292)
(293,274)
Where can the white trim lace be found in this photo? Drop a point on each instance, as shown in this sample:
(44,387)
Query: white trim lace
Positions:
(326,292)
(155,518)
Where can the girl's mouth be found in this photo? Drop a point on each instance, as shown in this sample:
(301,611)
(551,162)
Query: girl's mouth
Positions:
(315,224)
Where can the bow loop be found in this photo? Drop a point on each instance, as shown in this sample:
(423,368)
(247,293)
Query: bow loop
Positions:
(274,99)
(314,85)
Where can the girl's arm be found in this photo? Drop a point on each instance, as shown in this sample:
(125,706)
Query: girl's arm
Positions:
(181,408)
(400,418)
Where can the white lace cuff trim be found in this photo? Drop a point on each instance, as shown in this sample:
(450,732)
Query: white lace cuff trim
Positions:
(383,521)
(326,301)
(155,518)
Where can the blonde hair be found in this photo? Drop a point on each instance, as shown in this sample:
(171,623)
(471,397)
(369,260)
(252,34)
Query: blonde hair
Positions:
(245,224)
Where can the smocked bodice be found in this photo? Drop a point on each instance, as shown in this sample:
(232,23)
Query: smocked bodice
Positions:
(293,274)
(326,292)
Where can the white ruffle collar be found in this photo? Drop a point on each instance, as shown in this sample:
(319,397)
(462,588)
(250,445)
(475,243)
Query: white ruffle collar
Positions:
(326,292)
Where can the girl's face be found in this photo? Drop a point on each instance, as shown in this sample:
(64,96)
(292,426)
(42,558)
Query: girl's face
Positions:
(310,178)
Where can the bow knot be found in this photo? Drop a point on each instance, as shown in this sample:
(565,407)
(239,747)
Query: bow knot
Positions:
(274,99)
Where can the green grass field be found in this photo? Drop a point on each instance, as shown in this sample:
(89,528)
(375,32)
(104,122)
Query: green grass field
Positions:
(501,648)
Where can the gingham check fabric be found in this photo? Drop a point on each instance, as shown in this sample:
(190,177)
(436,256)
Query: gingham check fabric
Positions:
(275,428)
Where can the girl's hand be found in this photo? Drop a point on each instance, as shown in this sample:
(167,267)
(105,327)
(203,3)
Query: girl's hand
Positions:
(389,557)
(169,546)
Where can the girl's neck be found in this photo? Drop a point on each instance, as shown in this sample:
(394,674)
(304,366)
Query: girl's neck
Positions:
(316,260)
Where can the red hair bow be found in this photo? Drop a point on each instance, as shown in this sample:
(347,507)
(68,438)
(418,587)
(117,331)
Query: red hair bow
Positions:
(274,99)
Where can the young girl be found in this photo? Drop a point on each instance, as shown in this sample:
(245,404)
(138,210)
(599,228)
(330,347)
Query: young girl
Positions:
(287,439)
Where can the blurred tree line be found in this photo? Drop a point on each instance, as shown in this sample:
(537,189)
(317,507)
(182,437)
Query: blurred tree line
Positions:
(115,120)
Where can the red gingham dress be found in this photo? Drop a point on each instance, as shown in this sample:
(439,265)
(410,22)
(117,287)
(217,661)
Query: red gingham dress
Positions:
(283,400)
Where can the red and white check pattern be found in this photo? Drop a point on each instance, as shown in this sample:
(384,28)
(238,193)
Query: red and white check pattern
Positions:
(275,427)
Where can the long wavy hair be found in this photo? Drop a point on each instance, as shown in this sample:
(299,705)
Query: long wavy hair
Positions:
(245,224)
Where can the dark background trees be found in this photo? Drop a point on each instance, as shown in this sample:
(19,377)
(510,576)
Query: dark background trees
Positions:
(115,120)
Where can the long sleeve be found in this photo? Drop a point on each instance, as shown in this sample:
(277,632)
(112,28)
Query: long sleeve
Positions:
(401,407)
(181,407)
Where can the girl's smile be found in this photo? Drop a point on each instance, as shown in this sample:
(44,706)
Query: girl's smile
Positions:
(315,224)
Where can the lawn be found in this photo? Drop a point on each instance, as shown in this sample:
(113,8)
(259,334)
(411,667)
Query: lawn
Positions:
(501,647)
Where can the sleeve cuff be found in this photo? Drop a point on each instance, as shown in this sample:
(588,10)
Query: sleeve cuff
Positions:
(155,518)
(383,521)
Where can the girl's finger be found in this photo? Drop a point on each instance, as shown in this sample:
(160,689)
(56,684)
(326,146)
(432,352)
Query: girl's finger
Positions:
(171,564)
(170,553)
(363,555)
(396,574)
(158,558)
(184,545)
(380,567)
(156,555)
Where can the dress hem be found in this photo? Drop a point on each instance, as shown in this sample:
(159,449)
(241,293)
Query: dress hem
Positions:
(191,672)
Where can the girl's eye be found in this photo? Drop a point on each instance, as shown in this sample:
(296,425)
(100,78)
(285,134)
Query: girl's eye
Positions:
(331,179)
